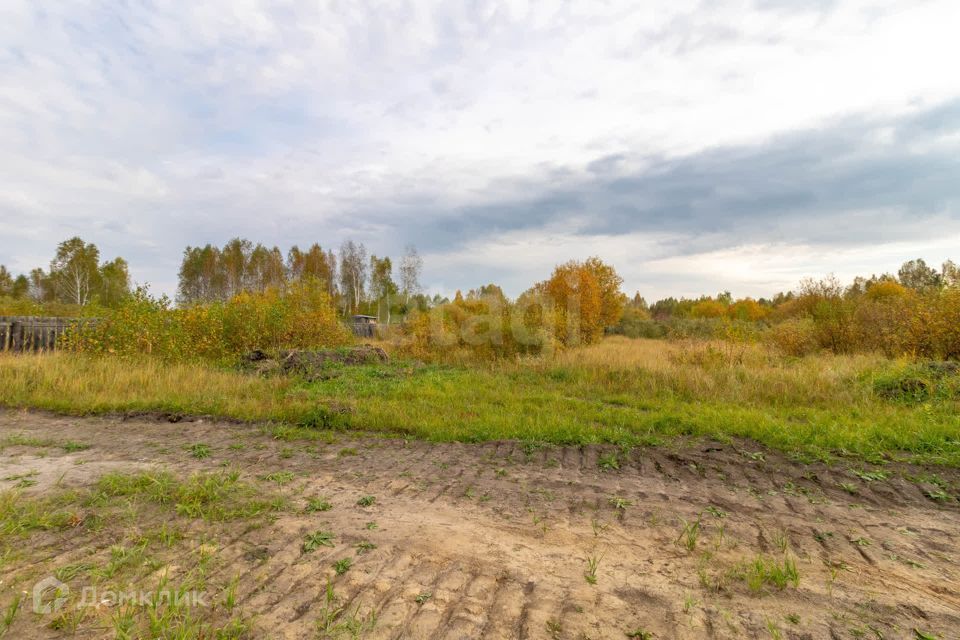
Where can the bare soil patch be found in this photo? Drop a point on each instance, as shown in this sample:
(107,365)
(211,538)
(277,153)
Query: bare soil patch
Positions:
(495,540)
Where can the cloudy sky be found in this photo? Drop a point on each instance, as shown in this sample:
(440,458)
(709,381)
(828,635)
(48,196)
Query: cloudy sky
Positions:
(697,146)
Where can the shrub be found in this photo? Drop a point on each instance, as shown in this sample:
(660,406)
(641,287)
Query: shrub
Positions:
(637,324)
(713,329)
(881,325)
(300,316)
(748,310)
(795,337)
(708,309)
(934,326)
(919,382)
(487,327)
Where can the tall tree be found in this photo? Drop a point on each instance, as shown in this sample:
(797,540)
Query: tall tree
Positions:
(114,282)
(40,288)
(916,275)
(313,263)
(353,273)
(21,287)
(296,260)
(265,269)
(201,277)
(586,298)
(950,274)
(6,282)
(75,271)
(234,258)
(612,299)
(411,267)
(637,302)
(382,286)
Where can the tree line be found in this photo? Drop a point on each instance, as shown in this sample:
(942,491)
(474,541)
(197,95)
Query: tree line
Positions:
(915,312)
(76,276)
(913,275)
(357,281)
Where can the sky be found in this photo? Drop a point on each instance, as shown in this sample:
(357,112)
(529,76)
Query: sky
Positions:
(698,146)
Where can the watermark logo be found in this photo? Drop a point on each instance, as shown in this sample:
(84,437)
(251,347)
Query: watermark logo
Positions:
(49,595)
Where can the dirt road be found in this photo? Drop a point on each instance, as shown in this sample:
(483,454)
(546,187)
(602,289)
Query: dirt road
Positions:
(502,540)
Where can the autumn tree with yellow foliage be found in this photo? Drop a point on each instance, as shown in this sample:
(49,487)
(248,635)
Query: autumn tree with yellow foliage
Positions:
(584,298)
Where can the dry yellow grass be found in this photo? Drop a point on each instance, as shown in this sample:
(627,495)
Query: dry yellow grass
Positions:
(76,384)
(717,370)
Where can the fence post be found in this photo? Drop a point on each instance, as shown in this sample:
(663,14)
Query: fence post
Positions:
(16,335)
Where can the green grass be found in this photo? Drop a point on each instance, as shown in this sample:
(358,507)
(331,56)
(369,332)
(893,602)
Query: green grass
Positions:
(343,565)
(210,496)
(318,504)
(20,515)
(770,572)
(622,391)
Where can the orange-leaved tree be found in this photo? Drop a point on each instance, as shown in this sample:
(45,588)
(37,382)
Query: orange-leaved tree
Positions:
(585,297)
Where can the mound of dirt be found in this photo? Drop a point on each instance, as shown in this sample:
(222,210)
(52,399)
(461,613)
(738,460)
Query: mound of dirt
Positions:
(314,363)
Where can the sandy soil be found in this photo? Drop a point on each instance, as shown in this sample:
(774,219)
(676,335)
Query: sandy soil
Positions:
(494,540)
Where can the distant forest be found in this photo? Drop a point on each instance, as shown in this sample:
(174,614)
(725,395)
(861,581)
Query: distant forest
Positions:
(360,282)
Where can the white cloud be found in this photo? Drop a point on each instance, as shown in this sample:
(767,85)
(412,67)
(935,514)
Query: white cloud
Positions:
(148,127)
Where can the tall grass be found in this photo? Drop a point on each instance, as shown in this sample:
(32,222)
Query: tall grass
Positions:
(717,370)
(77,384)
(620,391)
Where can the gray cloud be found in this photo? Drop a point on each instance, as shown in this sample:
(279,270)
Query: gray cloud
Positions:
(888,173)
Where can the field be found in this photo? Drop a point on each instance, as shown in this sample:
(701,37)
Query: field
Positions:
(633,488)
(621,391)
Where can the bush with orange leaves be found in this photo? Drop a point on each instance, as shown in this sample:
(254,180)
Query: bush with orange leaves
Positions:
(748,310)
(887,317)
(299,316)
(708,308)
(582,299)
(934,326)
(484,327)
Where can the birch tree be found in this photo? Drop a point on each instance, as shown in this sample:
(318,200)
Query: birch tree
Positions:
(75,271)
(353,273)
(411,266)
(382,286)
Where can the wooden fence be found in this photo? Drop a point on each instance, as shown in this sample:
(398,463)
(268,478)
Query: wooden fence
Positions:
(32,333)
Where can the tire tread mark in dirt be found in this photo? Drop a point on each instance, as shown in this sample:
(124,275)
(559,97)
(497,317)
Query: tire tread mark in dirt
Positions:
(453,607)
(708,625)
(473,615)
(237,541)
(284,568)
(398,490)
(863,554)
(789,503)
(445,488)
(499,592)
(365,586)
(411,616)
(397,584)
(524,619)
(361,590)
